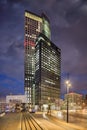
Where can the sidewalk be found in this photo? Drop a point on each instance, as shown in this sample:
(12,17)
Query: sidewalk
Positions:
(62,125)
(11,121)
(54,114)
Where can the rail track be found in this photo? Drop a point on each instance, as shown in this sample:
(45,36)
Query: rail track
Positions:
(28,122)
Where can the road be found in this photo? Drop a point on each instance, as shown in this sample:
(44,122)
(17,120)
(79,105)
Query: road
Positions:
(26,121)
(10,121)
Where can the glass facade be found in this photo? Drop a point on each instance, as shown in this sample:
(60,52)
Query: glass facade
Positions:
(41,61)
(47,70)
(34,25)
(46,27)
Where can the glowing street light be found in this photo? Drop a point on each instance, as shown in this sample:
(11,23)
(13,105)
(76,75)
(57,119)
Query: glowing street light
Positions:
(68,85)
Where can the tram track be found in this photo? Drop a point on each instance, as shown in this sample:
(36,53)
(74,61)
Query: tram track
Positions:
(28,122)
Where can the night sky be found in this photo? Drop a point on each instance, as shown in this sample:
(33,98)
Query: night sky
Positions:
(68,20)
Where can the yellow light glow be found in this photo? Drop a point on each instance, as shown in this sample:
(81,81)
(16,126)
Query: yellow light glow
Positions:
(67,82)
(29,15)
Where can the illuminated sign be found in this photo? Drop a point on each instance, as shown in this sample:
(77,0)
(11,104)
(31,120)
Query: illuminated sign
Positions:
(49,82)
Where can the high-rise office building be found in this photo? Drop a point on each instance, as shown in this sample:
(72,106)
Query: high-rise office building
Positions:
(34,25)
(47,71)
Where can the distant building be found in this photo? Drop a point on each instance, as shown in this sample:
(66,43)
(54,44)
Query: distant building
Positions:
(58,104)
(84,101)
(75,100)
(16,99)
(2,104)
(47,71)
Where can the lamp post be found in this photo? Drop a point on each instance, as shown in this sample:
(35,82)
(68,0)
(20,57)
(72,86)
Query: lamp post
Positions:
(49,106)
(68,85)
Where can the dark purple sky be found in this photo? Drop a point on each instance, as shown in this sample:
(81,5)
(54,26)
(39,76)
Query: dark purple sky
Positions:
(68,20)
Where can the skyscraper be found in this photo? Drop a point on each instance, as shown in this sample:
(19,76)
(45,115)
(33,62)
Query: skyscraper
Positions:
(34,25)
(47,71)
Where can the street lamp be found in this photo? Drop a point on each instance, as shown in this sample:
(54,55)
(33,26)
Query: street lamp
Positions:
(68,85)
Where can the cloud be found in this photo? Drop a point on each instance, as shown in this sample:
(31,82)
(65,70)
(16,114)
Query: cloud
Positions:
(12,61)
(15,49)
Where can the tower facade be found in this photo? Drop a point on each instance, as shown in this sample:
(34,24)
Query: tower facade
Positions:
(47,71)
(34,25)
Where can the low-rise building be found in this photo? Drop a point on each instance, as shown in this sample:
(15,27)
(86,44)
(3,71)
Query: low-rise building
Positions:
(74,100)
(16,102)
(2,104)
(16,99)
